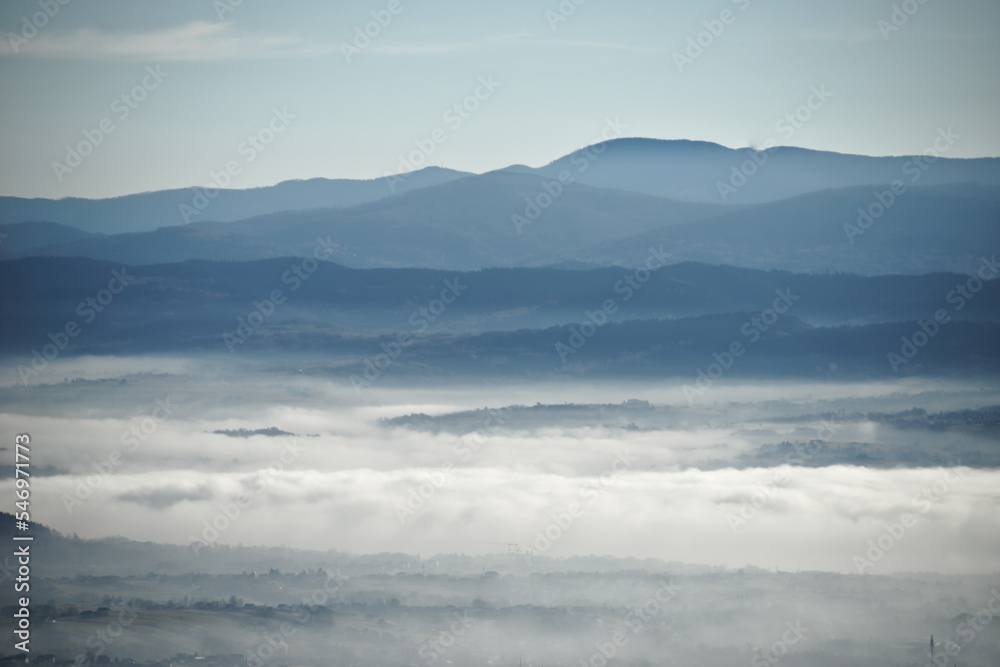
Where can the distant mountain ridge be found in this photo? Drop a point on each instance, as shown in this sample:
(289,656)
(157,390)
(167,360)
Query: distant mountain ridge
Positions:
(23,237)
(693,170)
(603,205)
(190,304)
(466,223)
(149,210)
(676,169)
(505,219)
(939,228)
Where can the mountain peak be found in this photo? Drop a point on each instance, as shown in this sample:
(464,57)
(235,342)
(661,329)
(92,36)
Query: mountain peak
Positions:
(644,143)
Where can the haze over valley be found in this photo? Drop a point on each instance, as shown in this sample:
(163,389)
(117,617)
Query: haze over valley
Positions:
(539,334)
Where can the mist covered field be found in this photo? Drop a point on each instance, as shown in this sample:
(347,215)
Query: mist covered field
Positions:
(791,475)
(547,517)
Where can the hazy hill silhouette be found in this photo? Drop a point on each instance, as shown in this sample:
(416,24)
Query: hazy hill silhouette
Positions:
(944,228)
(483,221)
(149,210)
(469,223)
(691,170)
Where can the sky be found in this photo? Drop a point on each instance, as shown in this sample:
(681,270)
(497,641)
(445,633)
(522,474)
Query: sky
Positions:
(274,91)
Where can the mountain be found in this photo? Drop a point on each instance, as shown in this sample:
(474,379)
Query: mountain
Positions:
(514,313)
(481,222)
(19,239)
(587,209)
(444,218)
(150,210)
(944,228)
(164,245)
(680,348)
(496,219)
(469,223)
(693,170)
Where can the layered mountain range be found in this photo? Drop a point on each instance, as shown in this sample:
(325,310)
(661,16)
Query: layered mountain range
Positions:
(658,245)
(603,205)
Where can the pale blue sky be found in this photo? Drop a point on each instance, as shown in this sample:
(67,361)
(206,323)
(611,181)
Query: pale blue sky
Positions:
(558,87)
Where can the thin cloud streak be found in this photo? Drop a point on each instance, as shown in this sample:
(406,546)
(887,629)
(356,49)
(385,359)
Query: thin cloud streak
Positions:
(521,38)
(606,45)
(194,41)
(434,48)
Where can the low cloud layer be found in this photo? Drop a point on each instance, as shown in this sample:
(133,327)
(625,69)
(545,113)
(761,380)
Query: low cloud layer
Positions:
(147,465)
